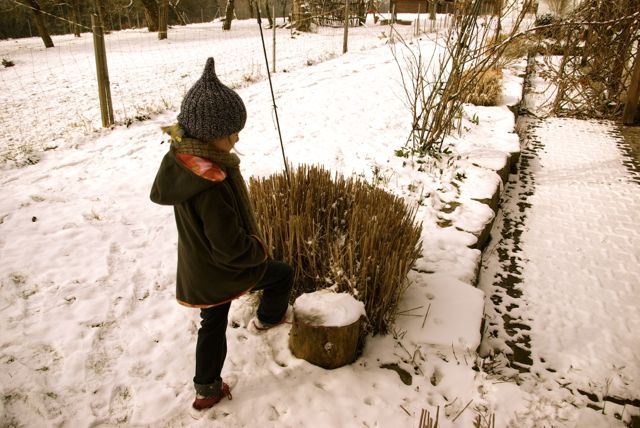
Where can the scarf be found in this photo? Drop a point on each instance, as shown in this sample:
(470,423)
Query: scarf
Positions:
(230,162)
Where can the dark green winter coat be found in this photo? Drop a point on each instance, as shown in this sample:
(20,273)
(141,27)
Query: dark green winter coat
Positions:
(217,259)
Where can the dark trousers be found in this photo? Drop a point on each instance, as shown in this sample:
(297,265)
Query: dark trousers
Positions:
(211,348)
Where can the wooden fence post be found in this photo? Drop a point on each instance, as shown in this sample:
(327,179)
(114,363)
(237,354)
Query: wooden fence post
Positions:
(163,12)
(104,89)
(101,15)
(631,106)
(346,27)
(432,14)
(273,62)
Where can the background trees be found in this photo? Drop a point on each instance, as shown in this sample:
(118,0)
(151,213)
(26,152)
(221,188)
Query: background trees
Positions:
(17,18)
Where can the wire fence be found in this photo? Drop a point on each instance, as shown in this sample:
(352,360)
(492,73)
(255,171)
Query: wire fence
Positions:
(49,97)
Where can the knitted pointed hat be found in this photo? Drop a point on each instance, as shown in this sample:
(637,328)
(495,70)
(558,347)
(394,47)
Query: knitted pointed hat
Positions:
(211,110)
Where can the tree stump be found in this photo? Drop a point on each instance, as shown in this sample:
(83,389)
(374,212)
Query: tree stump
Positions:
(327,346)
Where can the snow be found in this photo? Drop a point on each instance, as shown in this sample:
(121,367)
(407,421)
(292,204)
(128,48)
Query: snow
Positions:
(92,335)
(453,312)
(328,309)
(585,273)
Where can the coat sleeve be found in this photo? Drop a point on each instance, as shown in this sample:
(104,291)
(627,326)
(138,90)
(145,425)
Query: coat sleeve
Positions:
(229,242)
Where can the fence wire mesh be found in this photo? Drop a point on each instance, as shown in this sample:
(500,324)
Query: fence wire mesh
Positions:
(148,76)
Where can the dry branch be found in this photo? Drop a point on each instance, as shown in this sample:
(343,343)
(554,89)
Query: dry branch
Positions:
(598,42)
(437,87)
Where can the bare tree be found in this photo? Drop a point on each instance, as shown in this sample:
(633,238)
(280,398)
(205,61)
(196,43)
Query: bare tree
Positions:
(267,8)
(300,16)
(101,11)
(42,28)
(181,16)
(151,14)
(75,17)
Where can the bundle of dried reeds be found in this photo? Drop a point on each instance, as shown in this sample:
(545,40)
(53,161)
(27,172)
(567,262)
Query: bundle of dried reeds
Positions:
(339,232)
(487,89)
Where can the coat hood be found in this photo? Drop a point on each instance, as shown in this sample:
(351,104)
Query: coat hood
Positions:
(180,177)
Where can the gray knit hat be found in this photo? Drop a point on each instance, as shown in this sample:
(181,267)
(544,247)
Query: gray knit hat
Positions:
(211,110)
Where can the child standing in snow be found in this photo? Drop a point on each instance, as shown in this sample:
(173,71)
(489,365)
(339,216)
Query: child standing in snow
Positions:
(220,252)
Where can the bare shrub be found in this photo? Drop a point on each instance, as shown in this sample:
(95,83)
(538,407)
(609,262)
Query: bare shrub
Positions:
(434,85)
(549,26)
(339,232)
(487,89)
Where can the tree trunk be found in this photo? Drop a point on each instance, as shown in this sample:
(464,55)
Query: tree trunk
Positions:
(296,14)
(181,17)
(284,11)
(300,16)
(163,15)
(228,15)
(267,9)
(151,14)
(42,28)
(75,17)
(498,13)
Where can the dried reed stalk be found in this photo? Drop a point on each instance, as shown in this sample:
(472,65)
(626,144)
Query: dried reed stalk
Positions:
(487,90)
(340,232)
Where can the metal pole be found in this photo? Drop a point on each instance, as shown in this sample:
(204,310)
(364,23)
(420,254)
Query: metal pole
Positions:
(273,97)
(346,27)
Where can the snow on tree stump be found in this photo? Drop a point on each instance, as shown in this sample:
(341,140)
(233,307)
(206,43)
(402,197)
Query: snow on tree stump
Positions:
(326,328)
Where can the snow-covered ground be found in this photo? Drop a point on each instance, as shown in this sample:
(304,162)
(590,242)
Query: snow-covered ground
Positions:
(50,96)
(91,333)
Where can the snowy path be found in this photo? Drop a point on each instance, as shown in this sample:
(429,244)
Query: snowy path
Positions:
(572,275)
